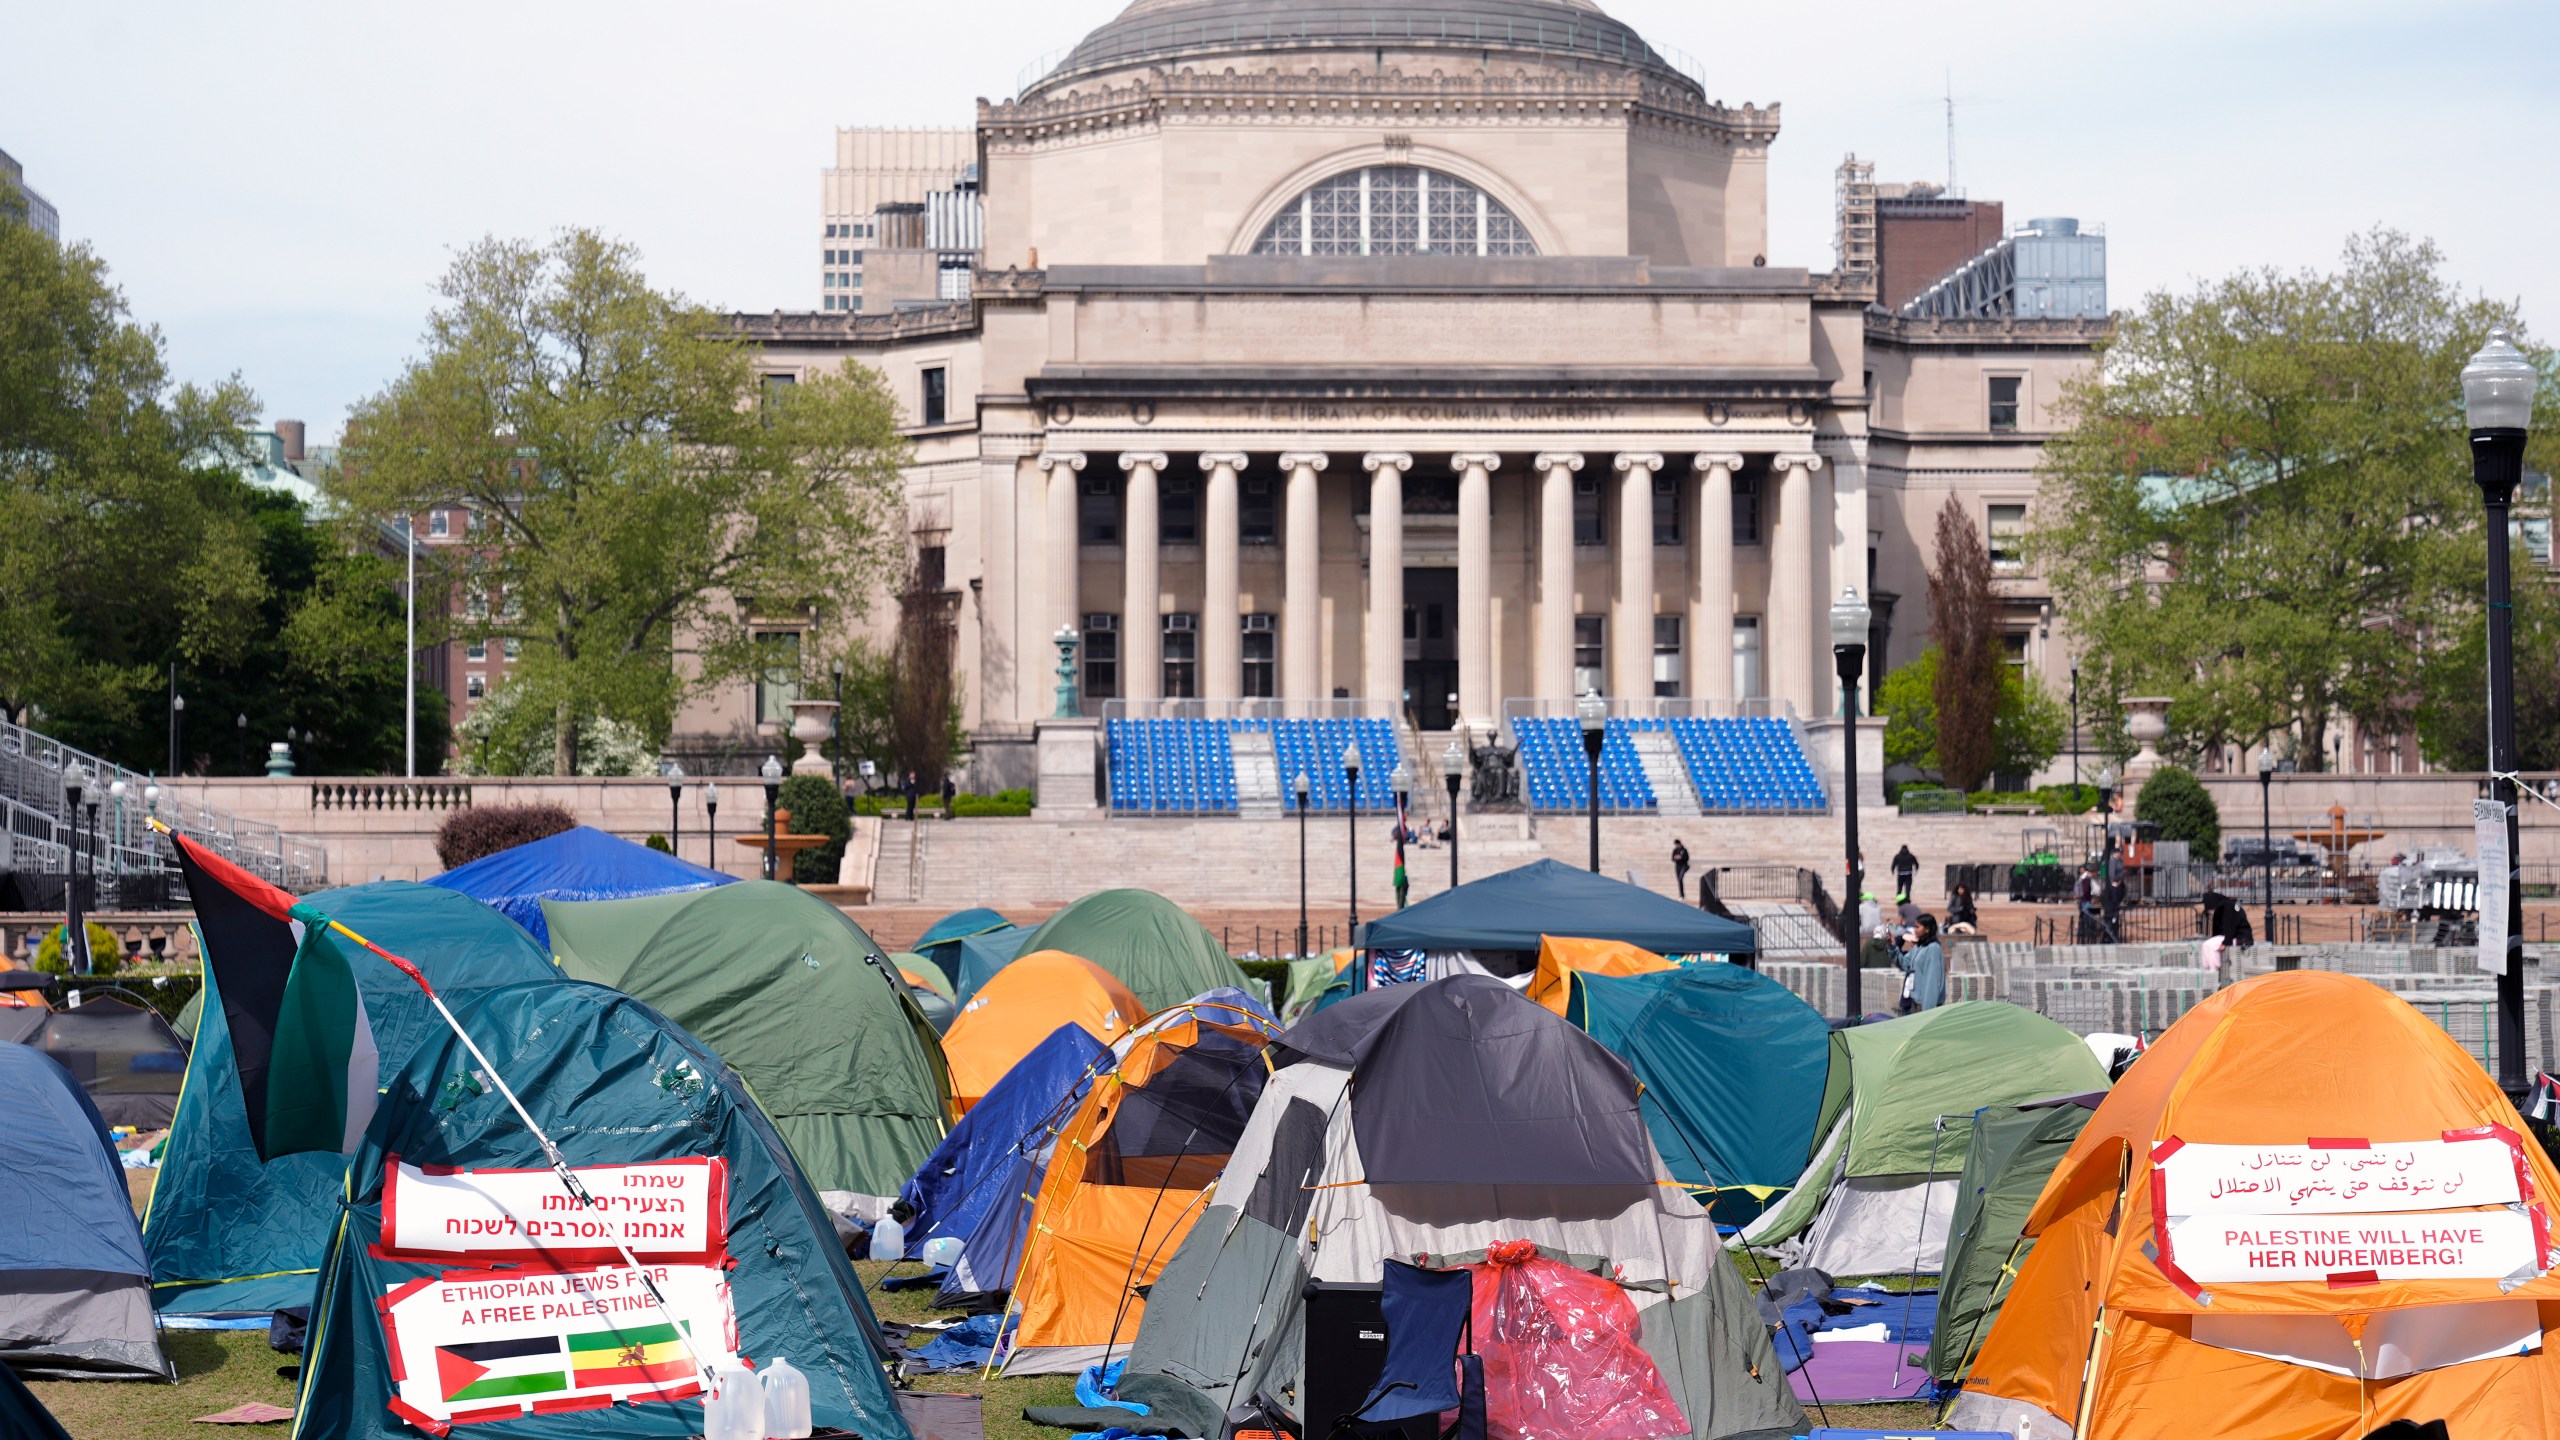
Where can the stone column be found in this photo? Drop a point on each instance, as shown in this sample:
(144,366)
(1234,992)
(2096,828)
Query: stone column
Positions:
(1301,641)
(1142,586)
(1065,600)
(1795,614)
(1710,637)
(1385,683)
(1476,699)
(1552,668)
(1631,647)
(1221,616)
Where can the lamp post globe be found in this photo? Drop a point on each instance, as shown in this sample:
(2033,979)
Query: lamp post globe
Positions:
(1351,777)
(1592,713)
(1850,621)
(771,772)
(2497,399)
(1299,787)
(674,772)
(1453,769)
(711,821)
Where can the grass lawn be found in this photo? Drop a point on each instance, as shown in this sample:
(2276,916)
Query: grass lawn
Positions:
(217,1369)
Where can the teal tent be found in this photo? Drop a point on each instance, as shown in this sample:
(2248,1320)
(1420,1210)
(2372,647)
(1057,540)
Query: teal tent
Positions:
(1510,911)
(1739,1074)
(940,943)
(645,1113)
(981,956)
(225,1232)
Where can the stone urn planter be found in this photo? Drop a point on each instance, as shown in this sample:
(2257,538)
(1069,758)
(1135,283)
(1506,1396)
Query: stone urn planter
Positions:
(813,722)
(2146,719)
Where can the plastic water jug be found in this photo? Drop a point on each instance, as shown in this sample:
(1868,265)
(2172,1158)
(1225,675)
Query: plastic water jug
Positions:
(786,1402)
(942,1250)
(734,1407)
(888,1239)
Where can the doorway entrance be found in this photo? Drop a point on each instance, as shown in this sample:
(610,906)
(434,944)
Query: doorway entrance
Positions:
(1431,646)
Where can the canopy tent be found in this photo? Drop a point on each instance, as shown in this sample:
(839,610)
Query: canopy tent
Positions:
(994,1157)
(1127,1178)
(75,1291)
(1009,1018)
(576,864)
(2010,1156)
(128,1059)
(981,956)
(940,942)
(796,998)
(1880,1189)
(1561,956)
(1739,1075)
(1162,954)
(2106,1333)
(226,1233)
(1517,908)
(616,1085)
(1554,1153)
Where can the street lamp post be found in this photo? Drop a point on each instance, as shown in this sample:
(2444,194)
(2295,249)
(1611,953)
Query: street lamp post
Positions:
(2266,833)
(772,773)
(177,710)
(1593,712)
(1849,621)
(711,820)
(409,655)
(675,808)
(2497,400)
(75,926)
(242,725)
(1351,778)
(835,732)
(2075,724)
(1453,764)
(1300,788)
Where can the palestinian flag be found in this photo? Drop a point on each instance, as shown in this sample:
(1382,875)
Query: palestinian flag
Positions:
(640,1355)
(501,1369)
(299,1034)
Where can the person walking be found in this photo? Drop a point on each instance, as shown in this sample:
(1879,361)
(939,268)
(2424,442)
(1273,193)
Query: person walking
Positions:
(2084,901)
(1680,869)
(911,790)
(1926,963)
(1906,869)
(950,792)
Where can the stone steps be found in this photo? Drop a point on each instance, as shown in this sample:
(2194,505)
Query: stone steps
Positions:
(1257,767)
(1666,772)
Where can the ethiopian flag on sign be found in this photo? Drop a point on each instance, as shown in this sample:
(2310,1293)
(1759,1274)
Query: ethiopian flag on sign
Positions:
(641,1355)
(501,1369)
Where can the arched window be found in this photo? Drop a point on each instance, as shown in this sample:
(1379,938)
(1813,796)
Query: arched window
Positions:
(1395,210)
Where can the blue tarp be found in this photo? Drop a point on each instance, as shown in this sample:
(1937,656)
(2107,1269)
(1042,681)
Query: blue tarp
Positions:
(578,864)
(964,1178)
(73,1212)
(1510,911)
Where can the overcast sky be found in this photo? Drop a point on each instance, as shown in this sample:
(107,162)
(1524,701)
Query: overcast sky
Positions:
(277,185)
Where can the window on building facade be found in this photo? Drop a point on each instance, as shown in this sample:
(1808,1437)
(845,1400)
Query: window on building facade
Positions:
(1746,657)
(2013,650)
(951,281)
(779,683)
(1098,511)
(438,524)
(1261,656)
(1178,511)
(1394,210)
(1746,509)
(2004,402)
(512,647)
(1181,657)
(475,686)
(1666,655)
(1666,510)
(1590,640)
(476,650)
(1590,526)
(1101,657)
(932,567)
(1258,517)
(936,381)
(2005,537)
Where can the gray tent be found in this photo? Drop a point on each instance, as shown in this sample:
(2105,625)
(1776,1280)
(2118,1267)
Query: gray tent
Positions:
(1223,1322)
(75,1292)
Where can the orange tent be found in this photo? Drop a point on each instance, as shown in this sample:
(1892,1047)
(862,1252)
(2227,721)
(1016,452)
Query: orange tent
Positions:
(1027,1000)
(1130,1173)
(1560,955)
(2293,1095)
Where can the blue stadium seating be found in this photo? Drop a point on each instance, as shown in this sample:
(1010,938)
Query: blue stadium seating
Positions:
(1187,766)
(1558,773)
(1747,764)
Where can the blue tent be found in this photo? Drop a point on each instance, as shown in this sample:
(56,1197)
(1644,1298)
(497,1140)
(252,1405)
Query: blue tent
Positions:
(964,1178)
(1510,911)
(75,1292)
(940,942)
(981,956)
(578,864)
(226,1233)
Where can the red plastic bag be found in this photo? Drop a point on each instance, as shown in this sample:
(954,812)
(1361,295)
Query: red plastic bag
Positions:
(1561,1359)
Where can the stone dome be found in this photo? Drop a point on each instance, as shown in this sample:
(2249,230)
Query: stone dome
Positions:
(1558,33)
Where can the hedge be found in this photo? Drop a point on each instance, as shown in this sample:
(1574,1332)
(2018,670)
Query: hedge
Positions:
(481,830)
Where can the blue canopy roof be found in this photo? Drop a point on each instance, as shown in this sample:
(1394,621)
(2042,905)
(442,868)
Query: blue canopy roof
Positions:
(1511,910)
(56,1153)
(576,864)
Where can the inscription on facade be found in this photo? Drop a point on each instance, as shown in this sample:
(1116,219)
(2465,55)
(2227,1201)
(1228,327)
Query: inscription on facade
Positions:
(1318,412)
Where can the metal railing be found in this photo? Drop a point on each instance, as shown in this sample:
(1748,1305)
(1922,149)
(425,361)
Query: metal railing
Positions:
(119,841)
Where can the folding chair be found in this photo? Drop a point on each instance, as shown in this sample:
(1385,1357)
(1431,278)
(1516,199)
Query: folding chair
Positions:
(1429,1316)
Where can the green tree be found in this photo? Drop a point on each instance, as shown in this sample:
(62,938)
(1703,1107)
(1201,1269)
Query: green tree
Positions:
(2173,799)
(817,808)
(2027,729)
(1964,628)
(2263,502)
(2452,718)
(513,729)
(632,476)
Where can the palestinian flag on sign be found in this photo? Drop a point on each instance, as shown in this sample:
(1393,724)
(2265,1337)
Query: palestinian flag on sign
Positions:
(299,1035)
(640,1355)
(501,1369)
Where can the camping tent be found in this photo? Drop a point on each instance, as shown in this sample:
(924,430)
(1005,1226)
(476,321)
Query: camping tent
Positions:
(1163,955)
(795,997)
(122,1053)
(75,1292)
(1128,1177)
(1015,1011)
(1881,1186)
(576,864)
(940,942)
(1738,1073)
(981,956)
(2011,1154)
(994,1158)
(1515,909)
(1562,955)
(1308,978)
(225,1232)
(2156,1311)
(418,1324)
(1425,1123)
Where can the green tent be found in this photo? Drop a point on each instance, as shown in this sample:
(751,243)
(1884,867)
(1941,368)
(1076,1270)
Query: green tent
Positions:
(1739,1079)
(225,1232)
(1877,1196)
(791,993)
(558,1356)
(2013,1151)
(1163,955)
